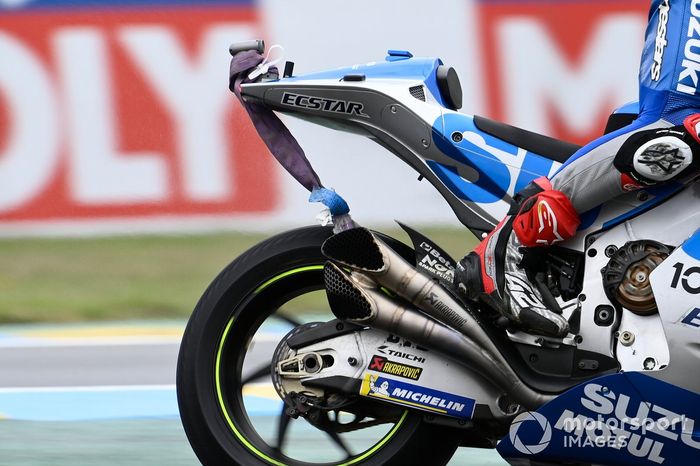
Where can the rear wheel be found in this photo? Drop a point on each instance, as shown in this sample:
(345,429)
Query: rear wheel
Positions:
(230,411)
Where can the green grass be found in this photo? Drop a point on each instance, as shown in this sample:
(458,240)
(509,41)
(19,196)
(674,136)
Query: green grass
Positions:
(130,277)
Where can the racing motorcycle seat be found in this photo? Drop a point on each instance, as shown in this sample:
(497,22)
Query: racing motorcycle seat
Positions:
(553,149)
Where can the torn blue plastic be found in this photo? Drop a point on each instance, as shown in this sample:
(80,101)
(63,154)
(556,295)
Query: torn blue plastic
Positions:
(396,55)
(331,200)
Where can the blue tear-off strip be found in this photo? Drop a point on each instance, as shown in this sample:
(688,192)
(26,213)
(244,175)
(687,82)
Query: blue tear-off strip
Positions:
(330,199)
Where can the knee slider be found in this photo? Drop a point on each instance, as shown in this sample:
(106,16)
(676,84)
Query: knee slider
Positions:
(656,156)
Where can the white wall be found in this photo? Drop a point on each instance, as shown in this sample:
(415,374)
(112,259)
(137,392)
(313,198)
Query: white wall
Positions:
(545,86)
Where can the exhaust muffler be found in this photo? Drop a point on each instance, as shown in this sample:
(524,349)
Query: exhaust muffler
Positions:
(353,297)
(360,249)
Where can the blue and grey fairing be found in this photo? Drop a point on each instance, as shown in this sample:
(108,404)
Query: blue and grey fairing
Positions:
(408,105)
(621,419)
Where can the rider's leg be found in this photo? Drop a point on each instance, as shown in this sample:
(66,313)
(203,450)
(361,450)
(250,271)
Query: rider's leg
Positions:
(641,154)
(655,148)
(644,153)
(493,273)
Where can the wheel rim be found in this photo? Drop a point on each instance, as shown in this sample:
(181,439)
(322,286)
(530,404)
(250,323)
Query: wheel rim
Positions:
(253,434)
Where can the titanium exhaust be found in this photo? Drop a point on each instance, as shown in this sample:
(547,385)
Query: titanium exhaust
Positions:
(360,249)
(352,298)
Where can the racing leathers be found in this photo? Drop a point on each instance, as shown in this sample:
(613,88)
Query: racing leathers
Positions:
(661,146)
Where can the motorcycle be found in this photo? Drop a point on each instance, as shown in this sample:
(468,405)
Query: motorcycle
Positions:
(400,370)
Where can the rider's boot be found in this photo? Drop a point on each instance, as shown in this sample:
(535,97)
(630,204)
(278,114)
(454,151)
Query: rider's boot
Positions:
(492,273)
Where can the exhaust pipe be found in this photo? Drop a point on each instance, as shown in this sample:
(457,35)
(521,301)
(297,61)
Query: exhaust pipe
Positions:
(360,249)
(351,298)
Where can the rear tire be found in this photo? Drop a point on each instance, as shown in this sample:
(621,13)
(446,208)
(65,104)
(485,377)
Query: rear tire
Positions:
(215,420)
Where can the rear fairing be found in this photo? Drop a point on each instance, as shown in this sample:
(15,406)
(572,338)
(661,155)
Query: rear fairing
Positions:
(398,104)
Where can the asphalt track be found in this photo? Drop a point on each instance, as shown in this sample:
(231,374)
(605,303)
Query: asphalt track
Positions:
(104,395)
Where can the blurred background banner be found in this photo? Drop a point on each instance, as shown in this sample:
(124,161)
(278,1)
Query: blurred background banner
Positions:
(115,114)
